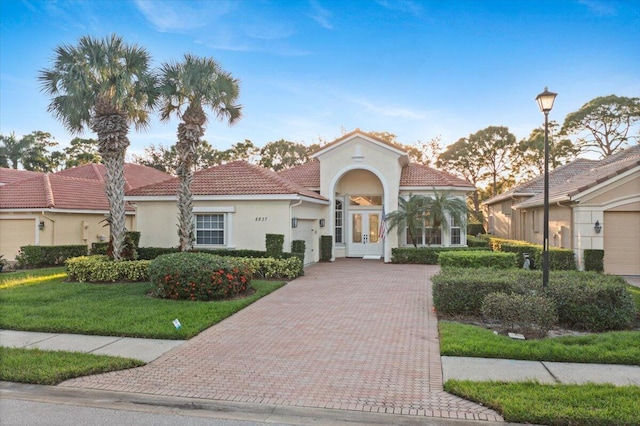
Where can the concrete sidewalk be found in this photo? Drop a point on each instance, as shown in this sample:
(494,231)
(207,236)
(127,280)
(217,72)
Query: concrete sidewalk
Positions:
(458,368)
(145,350)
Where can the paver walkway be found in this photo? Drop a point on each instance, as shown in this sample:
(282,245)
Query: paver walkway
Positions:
(352,334)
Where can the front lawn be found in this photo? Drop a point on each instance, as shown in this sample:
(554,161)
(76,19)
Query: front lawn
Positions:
(616,347)
(42,301)
(53,367)
(531,402)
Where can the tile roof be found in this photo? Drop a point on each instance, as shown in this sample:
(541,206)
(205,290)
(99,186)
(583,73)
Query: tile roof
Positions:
(415,174)
(8,176)
(55,191)
(535,186)
(307,174)
(235,178)
(136,175)
(600,172)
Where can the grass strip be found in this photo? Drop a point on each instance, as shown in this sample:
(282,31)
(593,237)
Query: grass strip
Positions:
(121,309)
(531,402)
(30,277)
(618,347)
(53,367)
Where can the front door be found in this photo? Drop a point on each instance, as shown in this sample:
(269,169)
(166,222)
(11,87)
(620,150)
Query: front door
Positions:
(364,238)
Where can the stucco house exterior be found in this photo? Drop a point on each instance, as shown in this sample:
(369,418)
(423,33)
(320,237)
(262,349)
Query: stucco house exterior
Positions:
(343,192)
(61,208)
(592,205)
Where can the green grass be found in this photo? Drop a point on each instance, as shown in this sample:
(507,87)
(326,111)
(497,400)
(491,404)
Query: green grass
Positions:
(121,309)
(531,402)
(635,293)
(35,276)
(620,347)
(53,367)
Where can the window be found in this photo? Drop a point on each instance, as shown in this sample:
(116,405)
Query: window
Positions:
(506,208)
(425,236)
(210,229)
(417,234)
(456,234)
(365,200)
(534,221)
(339,224)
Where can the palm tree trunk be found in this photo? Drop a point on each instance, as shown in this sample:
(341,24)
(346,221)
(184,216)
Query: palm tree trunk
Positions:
(189,135)
(114,188)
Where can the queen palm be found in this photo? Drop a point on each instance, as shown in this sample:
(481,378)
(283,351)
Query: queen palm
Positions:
(438,209)
(410,215)
(188,87)
(104,85)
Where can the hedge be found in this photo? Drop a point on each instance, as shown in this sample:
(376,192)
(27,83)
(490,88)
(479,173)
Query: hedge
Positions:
(594,260)
(473,241)
(274,244)
(100,268)
(559,259)
(424,255)
(326,248)
(530,314)
(39,256)
(477,259)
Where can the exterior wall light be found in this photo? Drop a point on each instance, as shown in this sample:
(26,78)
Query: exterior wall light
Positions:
(597,227)
(41,225)
(321,223)
(294,222)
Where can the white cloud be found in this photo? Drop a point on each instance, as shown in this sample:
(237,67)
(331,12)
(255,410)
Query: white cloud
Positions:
(171,15)
(387,110)
(320,15)
(406,6)
(600,8)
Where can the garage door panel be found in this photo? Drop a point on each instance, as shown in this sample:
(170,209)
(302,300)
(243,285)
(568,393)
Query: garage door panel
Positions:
(622,243)
(305,232)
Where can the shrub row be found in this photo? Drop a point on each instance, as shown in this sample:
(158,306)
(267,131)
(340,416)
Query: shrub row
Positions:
(477,259)
(424,255)
(477,242)
(268,267)
(559,259)
(594,260)
(100,268)
(39,256)
(584,300)
(530,314)
(199,276)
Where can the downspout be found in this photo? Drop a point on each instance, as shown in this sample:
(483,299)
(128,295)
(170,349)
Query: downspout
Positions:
(53,231)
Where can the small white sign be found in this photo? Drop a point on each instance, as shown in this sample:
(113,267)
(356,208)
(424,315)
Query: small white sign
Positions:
(176,324)
(516,336)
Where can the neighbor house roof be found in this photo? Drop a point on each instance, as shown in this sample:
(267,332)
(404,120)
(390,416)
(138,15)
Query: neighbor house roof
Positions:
(235,178)
(414,174)
(135,175)
(601,171)
(8,176)
(53,191)
(535,186)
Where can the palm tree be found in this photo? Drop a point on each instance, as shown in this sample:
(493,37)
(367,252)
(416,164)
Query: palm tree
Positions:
(438,209)
(104,85)
(410,215)
(187,88)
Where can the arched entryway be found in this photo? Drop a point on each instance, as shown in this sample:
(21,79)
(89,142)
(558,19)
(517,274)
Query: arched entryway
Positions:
(358,212)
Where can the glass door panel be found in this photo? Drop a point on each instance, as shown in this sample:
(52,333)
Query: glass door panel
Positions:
(374,227)
(356,228)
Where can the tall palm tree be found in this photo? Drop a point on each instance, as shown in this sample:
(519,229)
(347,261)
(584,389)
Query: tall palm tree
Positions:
(104,85)
(188,87)
(410,215)
(438,209)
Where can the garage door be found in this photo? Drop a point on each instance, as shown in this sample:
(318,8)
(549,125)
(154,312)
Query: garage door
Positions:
(15,233)
(622,243)
(305,232)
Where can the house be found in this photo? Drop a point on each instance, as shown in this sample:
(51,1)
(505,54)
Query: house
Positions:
(61,208)
(592,205)
(343,192)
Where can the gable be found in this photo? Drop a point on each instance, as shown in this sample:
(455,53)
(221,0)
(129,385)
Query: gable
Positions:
(357,145)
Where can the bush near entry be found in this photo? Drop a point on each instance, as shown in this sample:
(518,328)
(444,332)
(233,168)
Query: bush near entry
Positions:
(477,259)
(530,314)
(40,256)
(199,276)
(424,255)
(101,268)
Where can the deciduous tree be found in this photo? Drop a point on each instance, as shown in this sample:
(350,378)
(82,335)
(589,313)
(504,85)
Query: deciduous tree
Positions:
(282,154)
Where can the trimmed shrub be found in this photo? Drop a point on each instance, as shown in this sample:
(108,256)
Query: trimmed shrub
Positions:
(530,314)
(326,247)
(274,244)
(101,268)
(594,260)
(99,248)
(269,267)
(130,248)
(150,253)
(560,260)
(477,259)
(591,301)
(475,229)
(477,242)
(38,256)
(424,255)
(198,276)
(461,291)
(298,248)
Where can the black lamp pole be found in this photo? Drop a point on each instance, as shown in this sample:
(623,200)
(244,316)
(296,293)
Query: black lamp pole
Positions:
(545,102)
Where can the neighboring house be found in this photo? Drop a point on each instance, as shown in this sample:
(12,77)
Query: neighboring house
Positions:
(581,193)
(62,208)
(344,192)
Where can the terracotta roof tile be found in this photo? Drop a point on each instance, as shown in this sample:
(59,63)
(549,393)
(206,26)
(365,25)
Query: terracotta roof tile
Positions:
(236,178)
(307,174)
(414,174)
(136,175)
(8,176)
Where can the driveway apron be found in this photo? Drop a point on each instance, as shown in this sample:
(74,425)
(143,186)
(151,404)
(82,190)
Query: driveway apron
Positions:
(352,334)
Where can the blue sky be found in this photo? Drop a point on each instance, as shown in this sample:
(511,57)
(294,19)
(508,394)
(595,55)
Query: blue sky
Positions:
(311,69)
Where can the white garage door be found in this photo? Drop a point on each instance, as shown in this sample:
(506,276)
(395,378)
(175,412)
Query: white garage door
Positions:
(15,233)
(305,232)
(622,243)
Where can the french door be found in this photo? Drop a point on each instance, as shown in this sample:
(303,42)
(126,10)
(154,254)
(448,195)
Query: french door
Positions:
(364,233)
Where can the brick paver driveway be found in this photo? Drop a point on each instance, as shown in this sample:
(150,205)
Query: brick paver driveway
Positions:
(353,334)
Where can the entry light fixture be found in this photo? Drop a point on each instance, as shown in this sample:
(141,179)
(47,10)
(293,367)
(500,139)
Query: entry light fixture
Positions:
(597,227)
(321,223)
(41,225)
(294,222)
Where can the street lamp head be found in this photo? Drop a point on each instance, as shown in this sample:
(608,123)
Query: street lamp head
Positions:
(545,100)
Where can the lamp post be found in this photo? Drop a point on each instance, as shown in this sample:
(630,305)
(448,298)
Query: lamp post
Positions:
(545,102)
